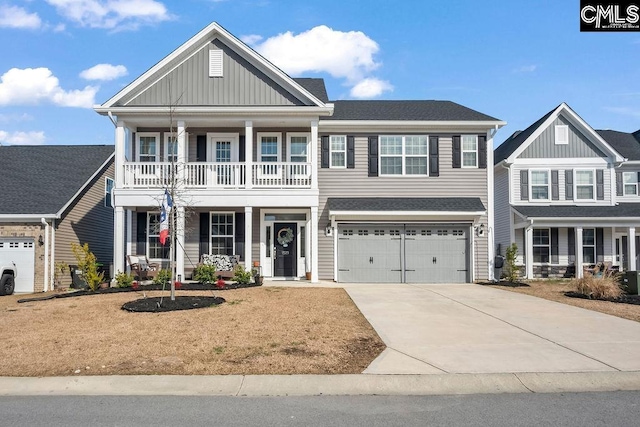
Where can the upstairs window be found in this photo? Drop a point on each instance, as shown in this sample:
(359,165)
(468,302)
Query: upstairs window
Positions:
(298,148)
(469,151)
(539,185)
(269,147)
(585,184)
(630,181)
(562,134)
(170,148)
(147,144)
(403,155)
(338,151)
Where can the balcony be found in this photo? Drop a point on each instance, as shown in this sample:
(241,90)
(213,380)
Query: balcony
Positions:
(227,175)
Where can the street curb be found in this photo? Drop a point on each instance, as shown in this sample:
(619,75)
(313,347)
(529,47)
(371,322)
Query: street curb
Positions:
(316,385)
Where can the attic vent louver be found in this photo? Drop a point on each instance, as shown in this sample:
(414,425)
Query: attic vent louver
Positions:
(215,63)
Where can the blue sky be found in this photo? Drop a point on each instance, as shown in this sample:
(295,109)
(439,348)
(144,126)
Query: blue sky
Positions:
(512,59)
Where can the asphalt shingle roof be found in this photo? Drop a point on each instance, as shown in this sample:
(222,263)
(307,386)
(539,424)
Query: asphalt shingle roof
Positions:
(624,143)
(442,204)
(405,110)
(623,210)
(315,86)
(42,179)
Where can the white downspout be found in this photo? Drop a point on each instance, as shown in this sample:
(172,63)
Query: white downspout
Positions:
(46,254)
(53,255)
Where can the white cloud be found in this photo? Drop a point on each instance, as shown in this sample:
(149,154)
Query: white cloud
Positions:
(31,86)
(625,111)
(112,14)
(17,17)
(526,69)
(22,138)
(8,118)
(370,88)
(346,55)
(251,39)
(104,72)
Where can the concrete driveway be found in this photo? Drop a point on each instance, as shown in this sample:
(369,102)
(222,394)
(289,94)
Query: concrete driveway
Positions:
(435,329)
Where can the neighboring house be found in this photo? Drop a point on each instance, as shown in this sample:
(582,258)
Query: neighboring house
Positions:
(51,196)
(567,195)
(270,170)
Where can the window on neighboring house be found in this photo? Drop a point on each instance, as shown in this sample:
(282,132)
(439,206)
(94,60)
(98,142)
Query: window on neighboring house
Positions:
(338,150)
(541,245)
(147,147)
(630,180)
(585,184)
(562,134)
(108,192)
(170,147)
(154,249)
(403,155)
(589,246)
(469,151)
(222,233)
(539,185)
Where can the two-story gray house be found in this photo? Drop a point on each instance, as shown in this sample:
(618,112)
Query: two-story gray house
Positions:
(568,196)
(272,171)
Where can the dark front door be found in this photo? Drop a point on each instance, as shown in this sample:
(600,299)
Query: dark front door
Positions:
(285,237)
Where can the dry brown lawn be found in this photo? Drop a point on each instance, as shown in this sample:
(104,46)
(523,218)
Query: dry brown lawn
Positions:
(264,330)
(554,291)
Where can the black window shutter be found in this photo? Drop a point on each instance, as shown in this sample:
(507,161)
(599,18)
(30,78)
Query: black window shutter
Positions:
(482,151)
(204,233)
(554,246)
(434,162)
(239,219)
(242,149)
(599,244)
(599,184)
(141,234)
(555,190)
(619,188)
(351,152)
(571,244)
(568,184)
(457,154)
(324,151)
(524,243)
(373,156)
(201,148)
(524,184)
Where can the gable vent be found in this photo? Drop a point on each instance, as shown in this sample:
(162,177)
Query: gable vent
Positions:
(215,63)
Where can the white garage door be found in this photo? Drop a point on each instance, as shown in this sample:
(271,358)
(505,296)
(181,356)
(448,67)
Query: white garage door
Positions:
(403,253)
(20,251)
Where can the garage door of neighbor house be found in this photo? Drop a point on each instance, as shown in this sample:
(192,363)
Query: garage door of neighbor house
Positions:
(21,251)
(409,253)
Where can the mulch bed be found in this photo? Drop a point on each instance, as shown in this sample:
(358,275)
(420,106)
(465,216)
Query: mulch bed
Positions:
(506,284)
(624,299)
(159,305)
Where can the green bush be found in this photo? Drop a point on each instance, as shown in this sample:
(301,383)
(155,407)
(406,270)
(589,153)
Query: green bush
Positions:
(88,264)
(205,273)
(163,277)
(241,276)
(124,280)
(510,267)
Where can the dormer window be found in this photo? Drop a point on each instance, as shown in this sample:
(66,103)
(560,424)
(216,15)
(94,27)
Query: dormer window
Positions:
(562,134)
(215,63)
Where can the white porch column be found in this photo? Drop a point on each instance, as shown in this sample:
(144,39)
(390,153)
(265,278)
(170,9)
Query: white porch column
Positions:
(248,238)
(248,154)
(45,285)
(182,154)
(314,161)
(307,246)
(52,267)
(120,154)
(631,250)
(528,244)
(129,241)
(579,271)
(118,240)
(180,227)
(314,243)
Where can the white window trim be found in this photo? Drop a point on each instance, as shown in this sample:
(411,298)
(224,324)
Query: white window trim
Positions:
(149,235)
(331,151)
(139,135)
(403,156)
(561,130)
(278,135)
(575,185)
(533,245)
(108,193)
(624,190)
(548,171)
(292,134)
(462,151)
(168,135)
(595,245)
(233,235)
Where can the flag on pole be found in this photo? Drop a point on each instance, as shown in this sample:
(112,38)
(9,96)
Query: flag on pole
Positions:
(167,203)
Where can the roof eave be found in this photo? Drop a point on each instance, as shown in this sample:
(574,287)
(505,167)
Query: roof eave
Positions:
(325,110)
(26,217)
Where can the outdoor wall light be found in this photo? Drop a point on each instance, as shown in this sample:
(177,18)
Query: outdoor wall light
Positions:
(479,230)
(40,240)
(328,231)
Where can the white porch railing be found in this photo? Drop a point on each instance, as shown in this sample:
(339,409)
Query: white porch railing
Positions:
(218,175)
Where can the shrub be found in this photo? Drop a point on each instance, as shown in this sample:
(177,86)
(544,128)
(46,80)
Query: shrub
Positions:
(163,277)
(241,276)
(598,287)
(205,273)
(511,269)
(124,280)
(88,264)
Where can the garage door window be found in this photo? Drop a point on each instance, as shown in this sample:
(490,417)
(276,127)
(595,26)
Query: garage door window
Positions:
(403,155)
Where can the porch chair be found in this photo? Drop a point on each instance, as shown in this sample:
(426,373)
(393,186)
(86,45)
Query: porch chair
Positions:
(142,268)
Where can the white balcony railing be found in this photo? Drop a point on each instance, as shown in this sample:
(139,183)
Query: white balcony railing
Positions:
(218,175)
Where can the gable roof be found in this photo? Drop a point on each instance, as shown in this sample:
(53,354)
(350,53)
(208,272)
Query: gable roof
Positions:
(519,141)
(428,204)
(627,144)
(622,210)
(42,179)
(428,110)
(315,86)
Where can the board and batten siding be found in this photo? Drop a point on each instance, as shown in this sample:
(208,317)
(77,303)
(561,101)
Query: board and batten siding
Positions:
(189,84)
(463,182)
(544,146)
(502,210)
(87,220)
